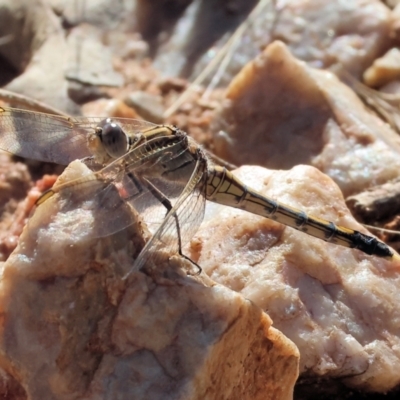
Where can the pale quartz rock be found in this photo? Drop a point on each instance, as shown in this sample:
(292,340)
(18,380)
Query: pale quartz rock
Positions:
(278,112)
(73,328)
(339,305)
(341,35)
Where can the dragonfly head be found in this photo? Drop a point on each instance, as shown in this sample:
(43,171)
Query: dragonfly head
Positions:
(113,138)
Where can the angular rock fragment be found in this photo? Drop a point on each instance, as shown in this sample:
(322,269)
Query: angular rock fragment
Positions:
(384,69)
(202,24)
(340,36)
(149,106)
(377,203)
(73,328)
(89,60)
(278,112)
(337,35)
(38,49)
(338,305)
(54,63)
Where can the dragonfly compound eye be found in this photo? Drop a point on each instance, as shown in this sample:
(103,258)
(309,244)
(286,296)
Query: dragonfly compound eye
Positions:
(114,139)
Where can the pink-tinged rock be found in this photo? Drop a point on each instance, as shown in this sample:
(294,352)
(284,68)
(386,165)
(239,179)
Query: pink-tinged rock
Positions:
(278,112)
(338,305)
(71,327)
(338,35)
(15,182)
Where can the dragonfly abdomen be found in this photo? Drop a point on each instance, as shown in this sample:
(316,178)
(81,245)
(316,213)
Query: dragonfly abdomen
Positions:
(224,188)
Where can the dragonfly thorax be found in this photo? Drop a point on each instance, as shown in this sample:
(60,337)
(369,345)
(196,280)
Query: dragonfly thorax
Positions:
(113,138)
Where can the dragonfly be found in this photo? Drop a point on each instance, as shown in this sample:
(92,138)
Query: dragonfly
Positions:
(160,172)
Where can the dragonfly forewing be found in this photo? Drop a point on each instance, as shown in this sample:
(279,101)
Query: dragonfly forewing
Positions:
(155,171)
(53,138)
(180,224)
(41,136)
(159,180)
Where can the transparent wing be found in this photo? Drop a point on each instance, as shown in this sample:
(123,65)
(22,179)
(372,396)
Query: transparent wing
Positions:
(52,138)
(97,203)
(140,182)
(180,224)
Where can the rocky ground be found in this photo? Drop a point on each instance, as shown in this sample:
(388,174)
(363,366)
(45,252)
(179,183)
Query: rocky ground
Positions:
(303,96)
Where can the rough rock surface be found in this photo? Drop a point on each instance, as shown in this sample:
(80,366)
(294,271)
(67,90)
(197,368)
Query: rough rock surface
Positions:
(15,181)
(339,35)
(203,23)
(72,328)
(40,53)
(384,69)
(49,63)
(278,112)
(337,304)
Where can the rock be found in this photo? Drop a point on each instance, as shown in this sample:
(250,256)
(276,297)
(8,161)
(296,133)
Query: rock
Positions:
(203,23)
(392,87)
(337,304)
(333,35)
(73,328)
(341,35)
(55,66)
(395,23)
(278,112)
(89,66)
(105,14)
(109,108)
(89,60)
(149,106)
(384,69)
(38,50)
(392,3)
(155,19)
(167,85)
(14,185)
(376,203)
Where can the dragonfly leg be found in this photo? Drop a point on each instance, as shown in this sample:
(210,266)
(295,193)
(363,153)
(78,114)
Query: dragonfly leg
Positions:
(199,269)
(167,204)
(139,183)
